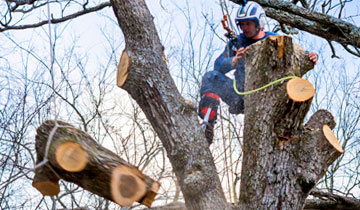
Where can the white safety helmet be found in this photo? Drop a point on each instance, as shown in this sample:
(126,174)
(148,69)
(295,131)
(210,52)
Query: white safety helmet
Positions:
(251,11)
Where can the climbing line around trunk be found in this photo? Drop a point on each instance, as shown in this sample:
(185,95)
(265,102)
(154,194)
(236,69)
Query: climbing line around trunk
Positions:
(261,88)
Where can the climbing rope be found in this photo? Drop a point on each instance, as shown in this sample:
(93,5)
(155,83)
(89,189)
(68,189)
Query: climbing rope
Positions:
(261,88)
(52,132)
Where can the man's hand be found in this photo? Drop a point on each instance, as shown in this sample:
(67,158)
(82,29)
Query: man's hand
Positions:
(313,57)
(239,54)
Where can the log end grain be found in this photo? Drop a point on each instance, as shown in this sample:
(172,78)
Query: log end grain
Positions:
(330,136)
(122,69)
(71,156)
(127,186)
(47,188)
(300,90)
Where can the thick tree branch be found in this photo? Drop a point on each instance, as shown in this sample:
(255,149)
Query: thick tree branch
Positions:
(325,26)
(149,82)
(326,201)
(282,160)
(331,201)
(58,20)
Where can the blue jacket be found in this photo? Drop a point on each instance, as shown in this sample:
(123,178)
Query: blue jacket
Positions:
(223,62)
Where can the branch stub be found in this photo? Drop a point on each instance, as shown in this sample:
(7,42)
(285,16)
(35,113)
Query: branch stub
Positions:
(330,136)
(300,90)
(122,69)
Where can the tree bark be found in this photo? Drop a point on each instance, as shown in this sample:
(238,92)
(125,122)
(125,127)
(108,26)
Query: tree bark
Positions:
(103,173)
(324,201)
(282,159)
(151,86)
(331,201)
(275,174)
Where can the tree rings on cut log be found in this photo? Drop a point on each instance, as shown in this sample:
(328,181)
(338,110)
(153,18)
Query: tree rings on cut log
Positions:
(47,188)
(127,185)
(300,90)
(330,136)
(122,69)
(71,156)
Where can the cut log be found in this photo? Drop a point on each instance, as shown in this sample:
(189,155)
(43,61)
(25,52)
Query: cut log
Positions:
(300,90)
(46,182)
(122,69)
(71,156)
(330,136)
(75,157)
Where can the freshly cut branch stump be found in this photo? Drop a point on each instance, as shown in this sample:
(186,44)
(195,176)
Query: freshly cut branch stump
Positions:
(75,157)
(122,69)
(283,159)
(279,40)
(330,136)
(71,157)
(300,90)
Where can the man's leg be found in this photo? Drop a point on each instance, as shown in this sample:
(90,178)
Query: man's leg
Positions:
(214,85)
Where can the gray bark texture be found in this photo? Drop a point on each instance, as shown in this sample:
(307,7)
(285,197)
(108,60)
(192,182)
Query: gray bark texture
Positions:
(273,177)
(282,158)
(149,83)
(323,201)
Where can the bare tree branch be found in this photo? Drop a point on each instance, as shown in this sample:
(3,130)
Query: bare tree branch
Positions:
(58,20)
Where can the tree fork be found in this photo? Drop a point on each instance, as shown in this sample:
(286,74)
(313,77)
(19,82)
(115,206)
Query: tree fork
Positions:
(75,157)
(282,158)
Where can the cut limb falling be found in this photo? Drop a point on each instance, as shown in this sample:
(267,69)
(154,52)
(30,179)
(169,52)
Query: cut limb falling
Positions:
(75,157)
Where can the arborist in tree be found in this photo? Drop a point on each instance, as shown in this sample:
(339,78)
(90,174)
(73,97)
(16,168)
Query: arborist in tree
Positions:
(250,19)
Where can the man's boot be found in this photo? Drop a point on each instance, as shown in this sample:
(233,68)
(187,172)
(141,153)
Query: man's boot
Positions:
(208,106)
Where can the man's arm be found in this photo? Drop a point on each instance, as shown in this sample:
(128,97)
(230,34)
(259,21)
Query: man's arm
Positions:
(223,63)
(239,54)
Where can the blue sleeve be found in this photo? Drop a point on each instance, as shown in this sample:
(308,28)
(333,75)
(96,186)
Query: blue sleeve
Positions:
(223,62)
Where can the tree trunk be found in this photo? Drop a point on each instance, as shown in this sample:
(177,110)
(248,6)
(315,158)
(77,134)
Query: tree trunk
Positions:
(276,173)
(282,158)
(75,157)
(149,83)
